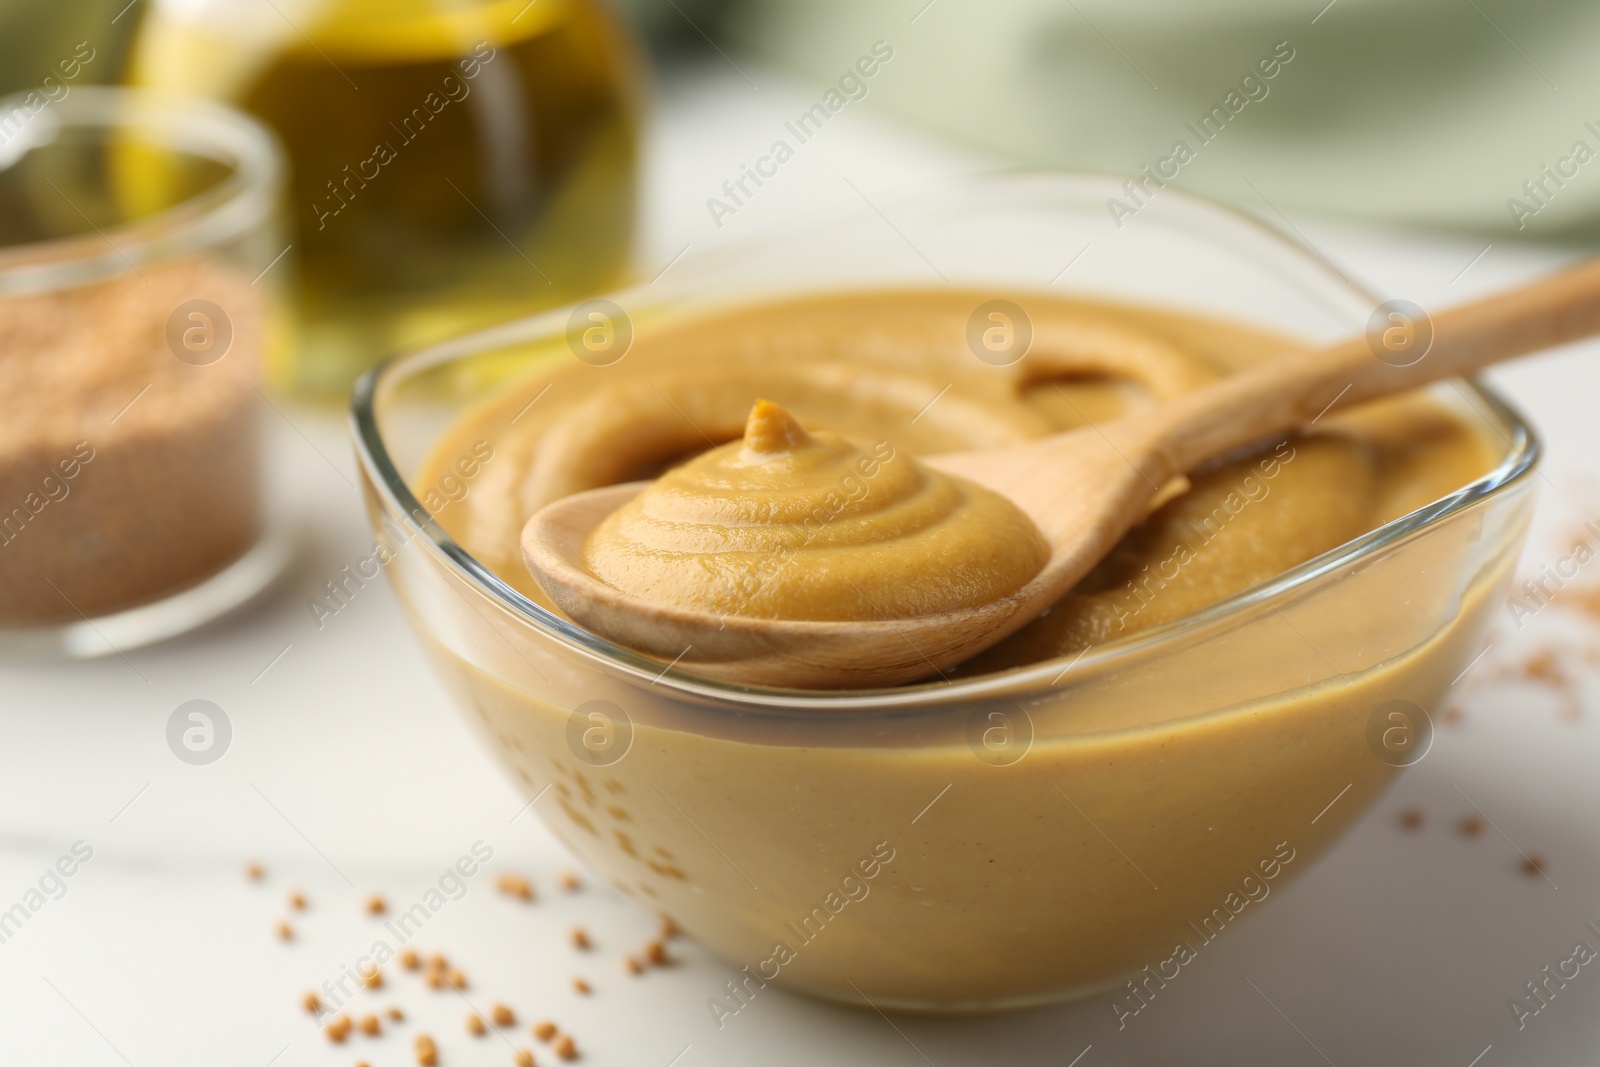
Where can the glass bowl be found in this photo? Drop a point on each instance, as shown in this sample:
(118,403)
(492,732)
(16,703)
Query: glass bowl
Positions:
(1012,838)
(139,260)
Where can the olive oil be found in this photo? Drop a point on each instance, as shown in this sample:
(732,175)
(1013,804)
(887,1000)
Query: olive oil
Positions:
(452,165)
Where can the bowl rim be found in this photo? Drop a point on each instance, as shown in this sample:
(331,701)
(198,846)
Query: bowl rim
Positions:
(1523,451)
(238,203)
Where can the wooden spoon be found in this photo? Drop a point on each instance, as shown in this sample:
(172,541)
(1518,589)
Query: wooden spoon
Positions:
(1084,488)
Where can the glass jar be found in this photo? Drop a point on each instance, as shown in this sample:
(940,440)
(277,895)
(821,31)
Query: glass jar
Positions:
(1011,838)
(451,165)
(139,259)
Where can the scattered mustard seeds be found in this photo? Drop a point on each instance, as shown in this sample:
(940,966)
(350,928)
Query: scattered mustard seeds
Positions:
(338,1029)
(254,872)
(435,979)
(370,1025)
(475,1025)
(285,932)
(376,905)
(457,980)
(1553,668)
(427,1052)
(503,1015)
(632,965)
(409,960)
(524,1058)
(570,881)
(544,1030)
(580,938)
(372,978)
(312,1003)
(437,962)
(297,901)
(566,1048)
(581,986)
(396,1014)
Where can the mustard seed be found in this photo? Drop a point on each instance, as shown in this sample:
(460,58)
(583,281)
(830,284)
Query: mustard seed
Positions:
(475,1025)
(514,885)
(427,1052)
(632,965)
(409,960)
(502,1015)
(581,986)
(370,1025)
(580,938)
(457,980)
(396,1014)
(297,901)
(312,1003)
(565,1048)
(656,953)
(544,1030)
(523,1058)
(376,905)
(285,932)
(254,872)
(570,881)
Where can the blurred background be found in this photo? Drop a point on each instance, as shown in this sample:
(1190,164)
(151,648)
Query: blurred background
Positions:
(1459,116)
(444,165)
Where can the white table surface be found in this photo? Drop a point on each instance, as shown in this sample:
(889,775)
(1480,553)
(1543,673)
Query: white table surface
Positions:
(348,772)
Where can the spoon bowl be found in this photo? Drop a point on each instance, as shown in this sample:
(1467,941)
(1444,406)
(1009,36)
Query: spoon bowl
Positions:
(738,648)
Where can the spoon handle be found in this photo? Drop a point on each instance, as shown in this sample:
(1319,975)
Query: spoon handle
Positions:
(1399,352)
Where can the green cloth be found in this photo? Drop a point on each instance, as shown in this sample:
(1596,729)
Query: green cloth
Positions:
(1432,112)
